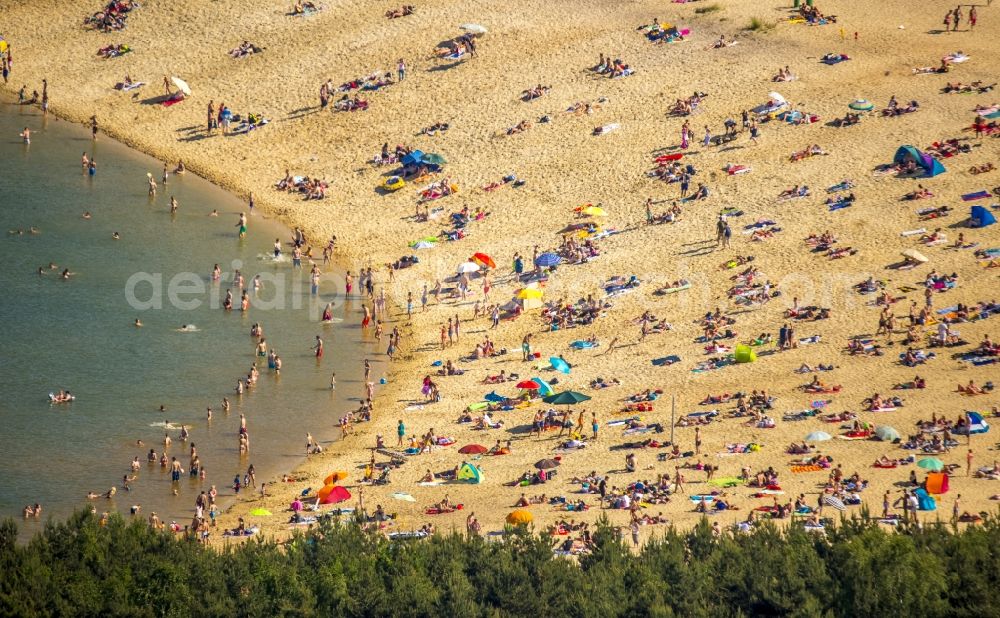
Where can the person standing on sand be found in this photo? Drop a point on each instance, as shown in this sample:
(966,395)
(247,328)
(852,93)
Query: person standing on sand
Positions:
(400,432)
(166,85)
(972,22)
(93,127)
(401,69)
(968,463)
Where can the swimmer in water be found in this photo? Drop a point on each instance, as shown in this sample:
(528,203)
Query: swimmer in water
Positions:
(86,214)
(173,205)
(66,274)
(116,236)
(26,136)
(41,270)
(152,185)
(214,213)
(138,323)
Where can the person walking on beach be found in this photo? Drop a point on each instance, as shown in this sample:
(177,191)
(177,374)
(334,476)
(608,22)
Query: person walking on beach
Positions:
(727,233)
(211,124)
(401,69)
(972,22)
(400,432)
(754,132)
(318,347)
(93,127)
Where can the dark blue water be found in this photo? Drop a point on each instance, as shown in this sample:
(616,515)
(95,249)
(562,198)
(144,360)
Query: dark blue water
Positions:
(78,334)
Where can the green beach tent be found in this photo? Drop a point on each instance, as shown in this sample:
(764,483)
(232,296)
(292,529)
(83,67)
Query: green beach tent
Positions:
(470,473)
(745,354)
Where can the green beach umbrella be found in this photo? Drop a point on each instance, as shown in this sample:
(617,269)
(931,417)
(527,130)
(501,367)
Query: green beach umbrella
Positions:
(566,398)
(861,105)
(259,512)
(817,436)
(931,463)
(887,433)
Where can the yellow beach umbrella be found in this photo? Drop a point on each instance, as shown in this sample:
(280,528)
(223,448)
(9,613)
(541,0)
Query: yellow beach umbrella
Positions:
(529,293)
(520,517)
(594,211)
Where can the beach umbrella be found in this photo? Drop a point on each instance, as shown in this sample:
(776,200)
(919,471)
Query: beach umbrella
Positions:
(474,28)
(886,433)
(483,260)
(559,364)
(520,517)
(181,85)
(543,386)
(423,244)
(467,267)
(403,496)
(546,260)
(333,494)
(777,98)
(546,464)
(817,436)
(259,512)
(434,159)
(861,105)
(915,255)
(566,398)
(931,463)
(529,293)
(835,502)
(594,211)
(473,449)
(494,397)
(333,477)
(528,385)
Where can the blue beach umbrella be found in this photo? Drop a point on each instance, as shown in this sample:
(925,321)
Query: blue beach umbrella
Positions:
(559,364)
(547,260)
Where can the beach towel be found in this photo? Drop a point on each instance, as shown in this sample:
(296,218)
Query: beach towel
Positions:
(673,290)
(126,87)
(583,345)
(800,469)
(979,195)
(841,204)
(666,361)
(922,230)
(170,102)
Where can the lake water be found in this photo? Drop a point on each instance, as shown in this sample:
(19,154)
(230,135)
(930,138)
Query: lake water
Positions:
(78,334)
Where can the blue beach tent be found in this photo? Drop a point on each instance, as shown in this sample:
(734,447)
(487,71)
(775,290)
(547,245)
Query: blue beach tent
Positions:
(931,166)
(981,217)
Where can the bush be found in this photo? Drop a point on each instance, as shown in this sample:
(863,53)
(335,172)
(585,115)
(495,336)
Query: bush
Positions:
(758,24)
(704,10)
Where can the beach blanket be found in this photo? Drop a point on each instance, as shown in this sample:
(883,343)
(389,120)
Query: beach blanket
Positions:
(583,345)
(126,87)
(673,290)
(993,115)
(979,195)
(170,102)
(800,469)
(840,204)
(922,230)
(666,361)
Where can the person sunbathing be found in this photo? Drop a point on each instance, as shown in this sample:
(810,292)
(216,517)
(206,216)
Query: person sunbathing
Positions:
(971,389)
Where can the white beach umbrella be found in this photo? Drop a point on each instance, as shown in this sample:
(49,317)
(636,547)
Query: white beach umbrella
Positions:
(835,502)
(474,28)
(468,267)
(915,255)
(777,98)
(181,85)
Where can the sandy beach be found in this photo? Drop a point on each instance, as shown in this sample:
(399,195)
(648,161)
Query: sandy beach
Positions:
(565,166)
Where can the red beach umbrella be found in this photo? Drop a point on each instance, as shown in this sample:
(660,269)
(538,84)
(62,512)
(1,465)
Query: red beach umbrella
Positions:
(483,260)
(473,449)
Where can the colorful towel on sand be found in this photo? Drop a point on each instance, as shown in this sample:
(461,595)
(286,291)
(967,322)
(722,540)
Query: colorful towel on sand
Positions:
(979,195)
(800,469)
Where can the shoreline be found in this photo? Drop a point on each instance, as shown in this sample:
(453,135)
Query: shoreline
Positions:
(567,166)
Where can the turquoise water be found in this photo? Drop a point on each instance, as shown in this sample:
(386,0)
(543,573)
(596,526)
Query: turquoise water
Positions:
(78,334)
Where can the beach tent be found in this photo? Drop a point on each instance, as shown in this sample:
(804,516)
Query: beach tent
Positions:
(977,424)
(470,473)
(745,354)
(936,483)
(543,387)
(520,517)
(980,217)
(925,502)
(332,494)
(413,158)
(931,166)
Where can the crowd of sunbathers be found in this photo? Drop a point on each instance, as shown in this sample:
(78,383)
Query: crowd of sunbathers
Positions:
(311,188)
(687,106)
(612,67)
(809,151)
(113,17)
(976,87)
(534,93)
(895,109)
(813,15)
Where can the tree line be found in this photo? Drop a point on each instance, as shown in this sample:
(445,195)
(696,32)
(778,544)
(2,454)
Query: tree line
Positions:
(80,567)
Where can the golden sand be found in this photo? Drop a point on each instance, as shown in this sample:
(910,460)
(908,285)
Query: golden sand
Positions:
(554,44)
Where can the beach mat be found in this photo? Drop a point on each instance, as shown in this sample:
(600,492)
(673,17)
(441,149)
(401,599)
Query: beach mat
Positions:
(979,195)
(666,361)
(800,469)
